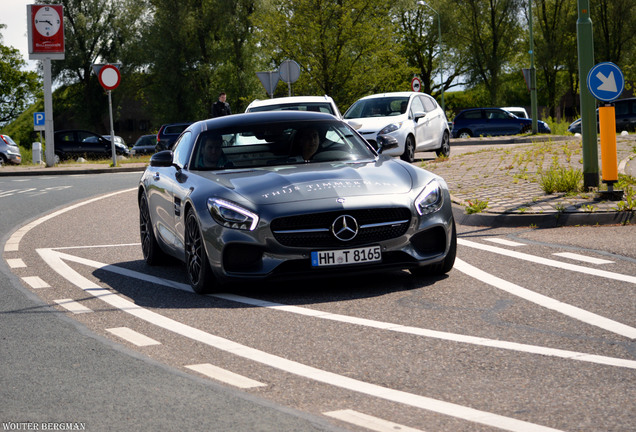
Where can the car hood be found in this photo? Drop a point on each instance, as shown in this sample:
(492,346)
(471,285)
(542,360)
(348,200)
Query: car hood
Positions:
(275,185)
(374,124)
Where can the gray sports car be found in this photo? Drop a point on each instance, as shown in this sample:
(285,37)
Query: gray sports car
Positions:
(290,195)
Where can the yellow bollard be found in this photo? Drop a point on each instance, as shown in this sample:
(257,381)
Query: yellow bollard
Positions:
(607,125)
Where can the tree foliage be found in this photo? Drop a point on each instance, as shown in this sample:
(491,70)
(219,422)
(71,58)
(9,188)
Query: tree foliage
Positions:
(177,55)
(18,88)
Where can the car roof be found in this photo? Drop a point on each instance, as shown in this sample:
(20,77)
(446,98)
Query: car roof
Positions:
(289,99)
(393,94)
(262,117)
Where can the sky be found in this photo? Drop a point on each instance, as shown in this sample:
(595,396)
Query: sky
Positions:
(13,15)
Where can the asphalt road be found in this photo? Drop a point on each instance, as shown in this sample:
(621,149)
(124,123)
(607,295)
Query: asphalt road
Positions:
(56,372)
(516,337)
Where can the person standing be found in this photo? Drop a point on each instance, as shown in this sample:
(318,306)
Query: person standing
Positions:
(221,108)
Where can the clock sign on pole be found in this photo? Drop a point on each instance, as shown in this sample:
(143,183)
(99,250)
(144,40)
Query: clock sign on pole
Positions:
(45,29)
(606,83)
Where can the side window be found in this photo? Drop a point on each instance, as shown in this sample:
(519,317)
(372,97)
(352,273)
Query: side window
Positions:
(429,103)
(416,106)
(622,108)
(182,149)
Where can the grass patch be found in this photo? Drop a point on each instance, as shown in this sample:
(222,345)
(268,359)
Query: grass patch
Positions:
(561,179)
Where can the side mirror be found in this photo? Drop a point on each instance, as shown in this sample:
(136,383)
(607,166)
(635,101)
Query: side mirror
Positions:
(161,159)
(418,115)
(386,142)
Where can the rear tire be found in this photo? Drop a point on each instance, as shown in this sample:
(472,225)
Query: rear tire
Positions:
(153,255)
(465,134)
(444,148)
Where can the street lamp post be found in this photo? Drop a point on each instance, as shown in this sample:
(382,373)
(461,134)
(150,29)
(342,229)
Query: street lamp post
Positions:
(441,64)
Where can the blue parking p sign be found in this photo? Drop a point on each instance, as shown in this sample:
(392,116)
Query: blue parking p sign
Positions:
(605,81)
(38,121)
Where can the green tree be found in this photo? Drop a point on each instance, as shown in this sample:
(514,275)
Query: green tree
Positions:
(555,41)
(346,48)
(18,88)
(490,32)
(418,33)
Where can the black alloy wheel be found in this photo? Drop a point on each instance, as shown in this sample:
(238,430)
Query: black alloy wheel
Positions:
(153,254)
(409,149)
(197,265)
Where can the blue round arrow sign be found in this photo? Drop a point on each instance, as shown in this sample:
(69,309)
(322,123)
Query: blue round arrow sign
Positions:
(605,81)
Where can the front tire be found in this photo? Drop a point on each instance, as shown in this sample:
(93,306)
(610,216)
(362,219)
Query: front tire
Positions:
(197,265)
(409,149)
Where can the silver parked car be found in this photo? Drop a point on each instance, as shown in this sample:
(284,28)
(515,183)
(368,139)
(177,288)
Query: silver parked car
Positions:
(290,195)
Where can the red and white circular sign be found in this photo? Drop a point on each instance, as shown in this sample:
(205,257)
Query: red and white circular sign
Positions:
(109,77)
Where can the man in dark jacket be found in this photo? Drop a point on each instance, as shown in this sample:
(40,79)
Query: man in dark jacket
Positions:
(221,108)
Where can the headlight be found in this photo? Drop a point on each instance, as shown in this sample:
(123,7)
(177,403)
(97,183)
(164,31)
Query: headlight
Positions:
(231,215)
(430,200)
(390,128)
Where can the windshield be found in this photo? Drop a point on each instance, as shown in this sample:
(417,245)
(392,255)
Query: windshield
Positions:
(272,144)
(378,107)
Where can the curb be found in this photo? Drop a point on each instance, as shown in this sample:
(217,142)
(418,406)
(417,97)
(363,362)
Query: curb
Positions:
(543,220)
(67,171)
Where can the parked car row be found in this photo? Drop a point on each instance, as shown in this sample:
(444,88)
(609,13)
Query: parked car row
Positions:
(475,122)
(625,112)
(9,151)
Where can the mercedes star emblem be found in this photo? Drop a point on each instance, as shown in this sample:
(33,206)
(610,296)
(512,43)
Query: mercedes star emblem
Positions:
(345,228)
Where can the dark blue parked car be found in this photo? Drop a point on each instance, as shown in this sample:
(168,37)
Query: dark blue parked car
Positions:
(491,122)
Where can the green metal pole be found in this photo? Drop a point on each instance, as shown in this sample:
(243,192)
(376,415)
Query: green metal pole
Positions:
(585,46)
(534,111)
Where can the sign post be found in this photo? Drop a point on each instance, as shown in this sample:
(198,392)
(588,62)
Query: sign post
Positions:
(45,24)
(606,83)
(109,77)
(416,84)
(289,72)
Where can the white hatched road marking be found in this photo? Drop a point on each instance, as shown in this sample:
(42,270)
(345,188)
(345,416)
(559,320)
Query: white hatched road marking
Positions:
(547,302)
(36,282)
(225,376)
(369,422)
(55,261)
(548,262)
(13,244)
(73,306)
(504,242)
(582,258)
(513,346)
(133,337)
(16,263)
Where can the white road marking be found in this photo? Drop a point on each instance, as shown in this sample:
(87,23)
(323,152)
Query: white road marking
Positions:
(35,282)
(73,306)
(55,261)
(504,242)
(512,346)
(548,262)
(582,258)
(16,263)
(133,337)
(13,244)
(225,376)
(369,422)
(547,302)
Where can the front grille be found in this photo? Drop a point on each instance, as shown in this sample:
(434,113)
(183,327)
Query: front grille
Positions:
(314,230)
